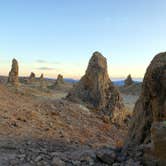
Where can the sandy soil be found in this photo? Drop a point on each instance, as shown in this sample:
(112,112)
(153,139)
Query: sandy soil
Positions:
(36,116)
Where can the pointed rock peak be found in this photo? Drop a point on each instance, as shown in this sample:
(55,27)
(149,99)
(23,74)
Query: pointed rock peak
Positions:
(59,80)
(60,76)
(128,81)
(32,75)
(15,65)
(42,76)
(13,74)
(14,61)
(95,88)
(129,76)
(97,61)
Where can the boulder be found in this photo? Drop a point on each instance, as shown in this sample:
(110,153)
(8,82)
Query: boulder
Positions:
(95,89)
(107,156)
(13,74)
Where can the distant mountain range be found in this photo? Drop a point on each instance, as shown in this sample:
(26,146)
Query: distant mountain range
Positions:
(117,82)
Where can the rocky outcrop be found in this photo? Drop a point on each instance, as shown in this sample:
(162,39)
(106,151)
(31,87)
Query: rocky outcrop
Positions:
(158,134)
(41,77)
(13,74)
(151,105)
(128,81)
(150,109)
(95,88)
(59,80)
(32,77)
(42,81)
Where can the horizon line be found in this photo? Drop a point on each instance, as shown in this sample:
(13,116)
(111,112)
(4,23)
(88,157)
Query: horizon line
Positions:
(112,78)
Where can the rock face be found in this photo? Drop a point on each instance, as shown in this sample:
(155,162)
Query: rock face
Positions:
(148,126)
(158,134)
(128,81)
(13,74)
(151,105)
(59,80)
(95,89)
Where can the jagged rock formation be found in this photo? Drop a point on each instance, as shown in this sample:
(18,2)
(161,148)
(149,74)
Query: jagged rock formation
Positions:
(128,81)
(59,80)
(95,88)
(13,74)
(42,82)
(32,77)
(41,77)
(151,106)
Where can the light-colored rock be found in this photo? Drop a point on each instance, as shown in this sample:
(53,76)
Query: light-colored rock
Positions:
(57,162)
(13,74)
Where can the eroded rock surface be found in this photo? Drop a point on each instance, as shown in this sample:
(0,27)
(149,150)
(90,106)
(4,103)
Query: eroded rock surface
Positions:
(95,88)
(158,134)
(13,74)
(151,105)
(150,108)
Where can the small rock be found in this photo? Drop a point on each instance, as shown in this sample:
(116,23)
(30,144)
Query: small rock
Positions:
(76,163)
(57,162)
(38,158)
(116,164)
(107,156)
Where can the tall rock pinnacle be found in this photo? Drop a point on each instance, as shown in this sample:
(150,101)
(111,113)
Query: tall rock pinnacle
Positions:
(13,74)
(95,88)
(128,81)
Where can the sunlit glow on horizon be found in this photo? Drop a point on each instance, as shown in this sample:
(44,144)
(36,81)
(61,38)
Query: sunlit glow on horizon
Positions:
(60,36)
(115,72)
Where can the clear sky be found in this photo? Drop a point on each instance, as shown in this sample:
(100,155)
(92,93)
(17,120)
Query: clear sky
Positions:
(59,36)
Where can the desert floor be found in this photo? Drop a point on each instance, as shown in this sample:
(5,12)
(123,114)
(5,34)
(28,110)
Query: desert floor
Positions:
(39,127)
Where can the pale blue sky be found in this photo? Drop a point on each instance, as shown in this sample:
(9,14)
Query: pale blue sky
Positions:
(59,36)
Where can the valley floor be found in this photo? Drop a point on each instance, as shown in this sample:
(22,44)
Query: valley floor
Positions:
(39,127)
